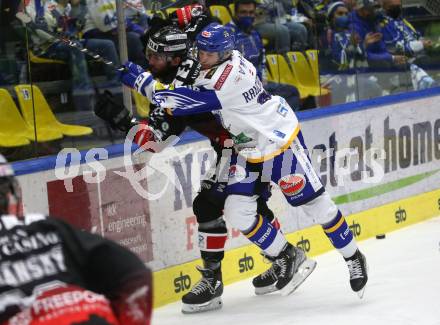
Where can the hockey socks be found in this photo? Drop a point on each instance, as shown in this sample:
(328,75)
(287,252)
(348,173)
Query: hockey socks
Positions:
(340,235)
(266,236)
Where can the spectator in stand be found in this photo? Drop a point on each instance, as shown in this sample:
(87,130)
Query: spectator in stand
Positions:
(365,24)
(53,16)
(248,42)
(365,21)
(400,36)
(70,23)
(349,83)
(276,34)
(101,22)
(41,14)
(280,15)
(136,13)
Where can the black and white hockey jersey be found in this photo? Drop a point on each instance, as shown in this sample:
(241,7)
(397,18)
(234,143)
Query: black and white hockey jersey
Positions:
(38,254)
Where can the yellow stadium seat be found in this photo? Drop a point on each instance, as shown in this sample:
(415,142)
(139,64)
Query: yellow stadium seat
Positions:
(13,130)
(222,13)
(142,104)
(232,9)
(281,73)
(36,59)
(312,56)
(44,117)
(19,126)
(301,68)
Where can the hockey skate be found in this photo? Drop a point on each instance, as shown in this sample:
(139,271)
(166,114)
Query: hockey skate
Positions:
(357,266)
(288,271)
(206,294)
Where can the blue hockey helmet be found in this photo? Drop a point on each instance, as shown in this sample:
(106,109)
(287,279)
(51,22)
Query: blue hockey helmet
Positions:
(215,38)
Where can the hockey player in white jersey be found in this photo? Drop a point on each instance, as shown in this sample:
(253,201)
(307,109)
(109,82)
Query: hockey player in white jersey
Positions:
(270,148)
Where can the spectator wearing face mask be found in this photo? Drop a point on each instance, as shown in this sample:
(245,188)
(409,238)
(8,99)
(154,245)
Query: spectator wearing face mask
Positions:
(271,29)
(248,42)
(398,33)
(365,21)
(345,48)
(401,38)
(348,58)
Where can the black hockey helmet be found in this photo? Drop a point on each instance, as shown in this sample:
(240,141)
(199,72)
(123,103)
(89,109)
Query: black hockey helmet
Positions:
(168,40)
(8,185)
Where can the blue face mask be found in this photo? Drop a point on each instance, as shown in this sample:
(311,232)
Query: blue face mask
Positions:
(342,22)
(245,22)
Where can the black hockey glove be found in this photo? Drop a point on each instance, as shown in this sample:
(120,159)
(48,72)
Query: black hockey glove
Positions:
(115,113)
(187,72)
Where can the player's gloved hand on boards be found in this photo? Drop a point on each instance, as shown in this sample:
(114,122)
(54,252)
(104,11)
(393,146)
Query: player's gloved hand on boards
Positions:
(115,113)
(187,72)
(134,76)
(145,137)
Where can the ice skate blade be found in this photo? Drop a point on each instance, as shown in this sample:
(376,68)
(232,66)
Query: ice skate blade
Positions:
(304,270)
(214,304)
(266,290)
(360,293)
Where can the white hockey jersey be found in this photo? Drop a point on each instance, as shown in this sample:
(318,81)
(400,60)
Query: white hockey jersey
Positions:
(262,126)
(47,7)
(101,14)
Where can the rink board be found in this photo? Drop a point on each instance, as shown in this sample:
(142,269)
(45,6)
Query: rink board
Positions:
(242,263)
(162,230)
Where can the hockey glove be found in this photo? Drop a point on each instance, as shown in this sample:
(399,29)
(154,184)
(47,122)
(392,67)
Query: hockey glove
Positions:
(151,139)
(186,15)
(187,72)
(134,76)
(108,109)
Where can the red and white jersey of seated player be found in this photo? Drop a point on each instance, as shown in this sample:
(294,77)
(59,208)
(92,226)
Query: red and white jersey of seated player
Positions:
(261,125)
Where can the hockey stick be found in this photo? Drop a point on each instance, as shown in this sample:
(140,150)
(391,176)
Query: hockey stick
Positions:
(54,37)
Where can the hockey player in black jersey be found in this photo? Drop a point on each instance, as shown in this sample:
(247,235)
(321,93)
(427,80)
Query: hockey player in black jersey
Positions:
(52,273)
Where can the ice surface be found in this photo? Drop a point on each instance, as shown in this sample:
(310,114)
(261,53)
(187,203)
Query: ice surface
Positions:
(403,288)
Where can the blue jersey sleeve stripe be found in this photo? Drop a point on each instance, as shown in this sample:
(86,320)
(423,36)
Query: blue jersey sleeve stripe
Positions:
(185,101)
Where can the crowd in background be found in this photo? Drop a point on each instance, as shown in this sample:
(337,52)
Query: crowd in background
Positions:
(366,48)
(352,35)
